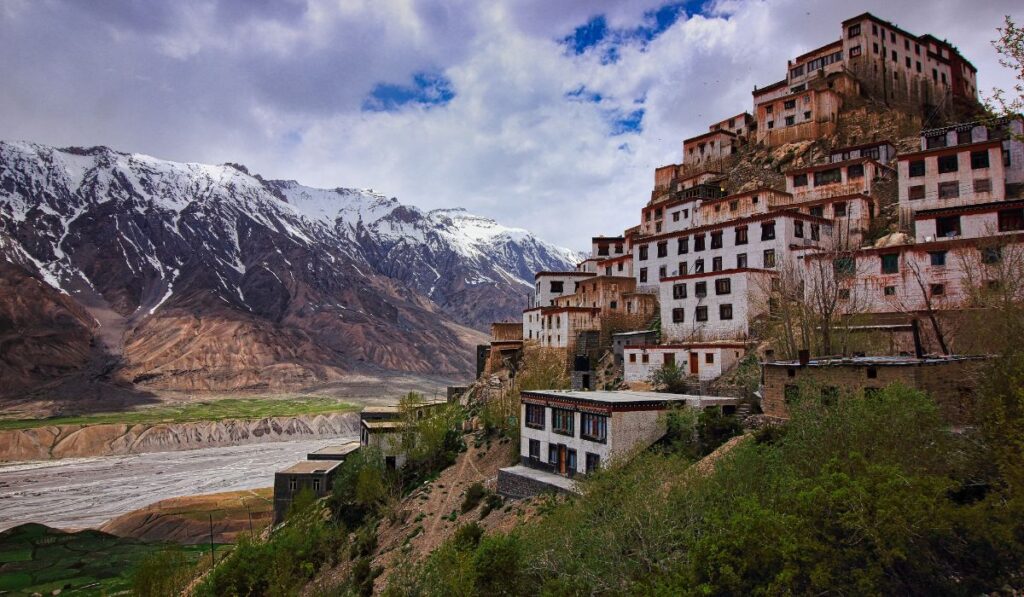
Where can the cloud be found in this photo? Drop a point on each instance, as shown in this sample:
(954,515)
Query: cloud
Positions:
(546,115)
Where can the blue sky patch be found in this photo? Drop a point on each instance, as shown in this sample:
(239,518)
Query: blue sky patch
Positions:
(596,32)
(427,89)
(582,94)
(627,122)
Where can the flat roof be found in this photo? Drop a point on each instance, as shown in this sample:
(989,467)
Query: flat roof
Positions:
(338,450)
(636,333)
(311,467)
(621,397)
(878,361)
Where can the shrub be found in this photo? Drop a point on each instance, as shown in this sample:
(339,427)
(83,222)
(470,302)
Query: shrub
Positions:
(164,573)
(474,494)
(468,536)
(669,378)
(497,565)
(493,502)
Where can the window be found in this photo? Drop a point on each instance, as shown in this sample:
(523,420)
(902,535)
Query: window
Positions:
(702,313)
(949,190)
(699,242)
(716,264)
(557,287)
(938,289)
(917,167)
(844,294)
(675,216)
(768,108)
(684,245)
(602,249)
(741,260)
(790,120)
(734,205)
(741,235)
(771,124)
(663,248)
(948,163)
(682,268)
(709,357)
(698,266)
(292,484)
(662,272)
(645,358)
(534,449)
(839,209)
(854,31)
(316,485)
(817,212)
(700,289)
(562,421)
(552,454)
(593,462)
(800,180)
(935,141)
(535,416)
(678,315)
(948,226)
(875,48)
(769,258)
(643,274)
(907,58)
(632,357)
(723,286)
(844,266)
(938,258)
(964,137)
(798,229)
(716,240)
(815,231)
(1011,219)
(991,255)
(789,104)
(593,427)
(855,171)
(979,159)
(679,291)
(854,51)
(915,192)
(894,58)
(768,231)
(889,291)
(643,253)
(830,176)
(982,185)
(890,263)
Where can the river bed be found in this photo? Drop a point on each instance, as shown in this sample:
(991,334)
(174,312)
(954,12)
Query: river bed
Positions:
(86,492)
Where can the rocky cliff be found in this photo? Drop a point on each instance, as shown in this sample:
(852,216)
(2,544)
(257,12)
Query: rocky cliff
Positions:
(78,441)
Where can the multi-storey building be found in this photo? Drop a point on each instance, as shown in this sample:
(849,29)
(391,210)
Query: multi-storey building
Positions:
(708,253)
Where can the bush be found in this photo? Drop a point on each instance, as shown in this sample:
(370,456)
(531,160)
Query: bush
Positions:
(474,494)
(468,536)
(497,565)
(669,378)
(164,573)
(493,502)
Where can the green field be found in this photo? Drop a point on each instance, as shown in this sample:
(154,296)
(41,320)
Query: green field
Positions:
(37,559)
(213,410)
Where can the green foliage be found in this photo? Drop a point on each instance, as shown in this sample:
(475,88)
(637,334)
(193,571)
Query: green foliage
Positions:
(855,495)
(468,536)
(474,494)
(669,378)
(165,573)
(492,503)
(282,564)
(430,436)
(694,434)
(362,487)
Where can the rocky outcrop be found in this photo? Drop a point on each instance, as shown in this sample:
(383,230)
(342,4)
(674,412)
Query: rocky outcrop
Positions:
(77,441)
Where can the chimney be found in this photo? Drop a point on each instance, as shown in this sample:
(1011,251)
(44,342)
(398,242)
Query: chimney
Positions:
(805,356)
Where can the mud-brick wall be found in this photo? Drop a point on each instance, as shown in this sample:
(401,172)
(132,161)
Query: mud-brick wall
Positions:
(951,384)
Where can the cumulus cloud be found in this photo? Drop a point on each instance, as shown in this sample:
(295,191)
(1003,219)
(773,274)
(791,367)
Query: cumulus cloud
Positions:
(546,115)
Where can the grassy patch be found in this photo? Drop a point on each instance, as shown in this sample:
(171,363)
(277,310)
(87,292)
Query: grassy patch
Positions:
(213,410)
(38,559)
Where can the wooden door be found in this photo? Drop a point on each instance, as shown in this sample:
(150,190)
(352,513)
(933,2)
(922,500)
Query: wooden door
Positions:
(694,363)
(561,459)
(670,358)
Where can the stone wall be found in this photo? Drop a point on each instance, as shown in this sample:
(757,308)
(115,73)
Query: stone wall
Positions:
(518,487)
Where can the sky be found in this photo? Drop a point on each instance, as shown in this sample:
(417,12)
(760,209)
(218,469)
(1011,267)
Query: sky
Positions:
(549,115)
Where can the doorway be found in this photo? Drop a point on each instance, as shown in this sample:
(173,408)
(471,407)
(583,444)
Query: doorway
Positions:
(694,363)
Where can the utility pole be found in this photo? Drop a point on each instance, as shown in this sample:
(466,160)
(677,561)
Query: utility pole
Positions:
(213,555)
(249,512)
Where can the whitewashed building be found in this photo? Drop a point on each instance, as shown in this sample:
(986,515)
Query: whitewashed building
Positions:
(702,360)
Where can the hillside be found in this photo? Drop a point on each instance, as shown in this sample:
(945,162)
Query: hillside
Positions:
(128,274)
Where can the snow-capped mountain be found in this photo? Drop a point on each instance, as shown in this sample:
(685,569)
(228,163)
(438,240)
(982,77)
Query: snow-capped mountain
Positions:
(181,275)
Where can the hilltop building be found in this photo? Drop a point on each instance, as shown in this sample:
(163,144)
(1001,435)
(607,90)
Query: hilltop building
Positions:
(713,249)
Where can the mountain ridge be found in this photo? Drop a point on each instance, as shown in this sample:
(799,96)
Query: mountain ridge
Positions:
(201,277)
